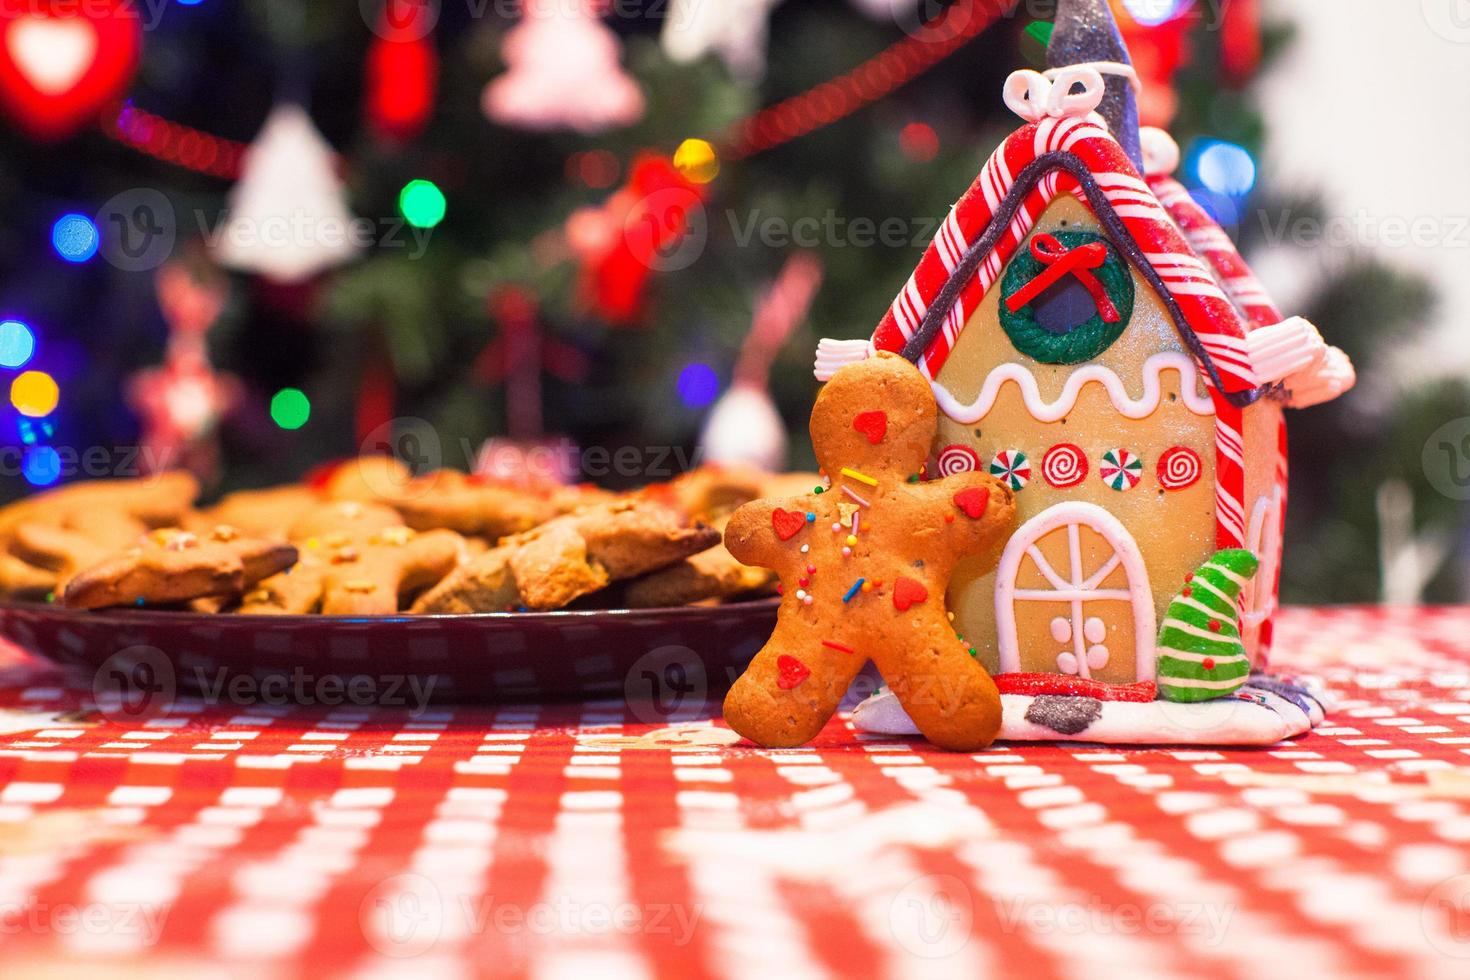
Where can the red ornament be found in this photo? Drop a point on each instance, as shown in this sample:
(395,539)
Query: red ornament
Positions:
(402,69)
(1240,41)
(180,402)
(874,425)
(62,62)
(907,592)
(787,523)
(1158,53)
(790,672)
(641,229)
(973,502)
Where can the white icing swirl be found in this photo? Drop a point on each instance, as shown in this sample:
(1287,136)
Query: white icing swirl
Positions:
(1044,411)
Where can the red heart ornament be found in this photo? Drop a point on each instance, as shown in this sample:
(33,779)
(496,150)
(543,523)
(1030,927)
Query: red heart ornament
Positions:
(874,425)
(790,672)
(907,592)
(61,64)
(787,523)
(973,501)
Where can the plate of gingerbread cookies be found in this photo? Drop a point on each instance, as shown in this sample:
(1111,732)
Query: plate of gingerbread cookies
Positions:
(476,589)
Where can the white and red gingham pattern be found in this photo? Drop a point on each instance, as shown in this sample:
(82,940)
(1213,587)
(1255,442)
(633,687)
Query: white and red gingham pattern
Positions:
(582,841)
(1211,314)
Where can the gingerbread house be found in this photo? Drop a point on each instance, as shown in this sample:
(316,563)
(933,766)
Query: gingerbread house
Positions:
(1094,339)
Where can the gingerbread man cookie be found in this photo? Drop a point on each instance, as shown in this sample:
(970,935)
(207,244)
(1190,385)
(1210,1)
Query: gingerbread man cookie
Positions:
(864,565)
(173,565)
(357,559)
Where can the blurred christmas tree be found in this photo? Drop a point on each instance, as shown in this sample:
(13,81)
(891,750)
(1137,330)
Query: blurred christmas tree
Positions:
(559,252)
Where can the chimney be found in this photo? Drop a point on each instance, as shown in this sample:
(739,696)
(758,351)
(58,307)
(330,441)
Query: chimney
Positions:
(1085,33)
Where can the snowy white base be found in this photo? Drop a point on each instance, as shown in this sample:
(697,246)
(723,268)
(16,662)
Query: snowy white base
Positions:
(1265,711)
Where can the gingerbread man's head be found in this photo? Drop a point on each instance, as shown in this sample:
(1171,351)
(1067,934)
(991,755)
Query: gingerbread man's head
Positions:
(879,419)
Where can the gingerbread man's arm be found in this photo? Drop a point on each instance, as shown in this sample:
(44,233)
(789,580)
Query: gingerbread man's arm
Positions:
(973,513)
(753,534)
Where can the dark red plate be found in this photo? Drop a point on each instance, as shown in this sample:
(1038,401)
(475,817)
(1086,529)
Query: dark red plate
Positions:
(139,660)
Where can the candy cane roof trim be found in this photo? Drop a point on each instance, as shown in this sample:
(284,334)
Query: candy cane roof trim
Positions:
(1214,245)
(1037,164)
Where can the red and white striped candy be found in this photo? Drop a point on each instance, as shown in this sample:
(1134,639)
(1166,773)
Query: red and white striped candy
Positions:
(955,459)
(1064,466)
(1179,468)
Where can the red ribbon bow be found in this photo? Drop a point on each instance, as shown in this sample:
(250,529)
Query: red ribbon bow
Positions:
(1059,261)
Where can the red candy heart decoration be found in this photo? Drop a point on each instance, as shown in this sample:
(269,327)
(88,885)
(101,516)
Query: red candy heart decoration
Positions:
(973,501)
(874,425)
(907,592)
(59,67)
(787,523)
(790,672)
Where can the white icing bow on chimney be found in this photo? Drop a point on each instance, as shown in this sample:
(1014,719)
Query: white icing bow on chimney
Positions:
(1034,96)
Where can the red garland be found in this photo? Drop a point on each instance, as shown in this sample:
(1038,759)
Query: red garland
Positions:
(174,143)
(799,115)
(885,72)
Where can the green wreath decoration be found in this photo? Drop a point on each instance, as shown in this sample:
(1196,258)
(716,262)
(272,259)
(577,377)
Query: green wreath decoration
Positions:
(1089,338)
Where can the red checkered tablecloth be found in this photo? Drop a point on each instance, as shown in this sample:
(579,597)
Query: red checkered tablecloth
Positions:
(576,841)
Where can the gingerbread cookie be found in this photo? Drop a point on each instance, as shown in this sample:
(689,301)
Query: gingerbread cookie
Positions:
(267,513)
(711,491)
(111,514)
(864,565)
(155,501)
(173,565)
(468,505)
(712,574)
(569,557)
(357,559)
(61,551)
(366,479)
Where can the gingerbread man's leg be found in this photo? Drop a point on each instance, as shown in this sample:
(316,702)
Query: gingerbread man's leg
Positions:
(793,686)
(949,696)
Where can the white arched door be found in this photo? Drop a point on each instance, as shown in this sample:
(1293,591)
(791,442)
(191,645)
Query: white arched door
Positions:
(1073,578)
(1263,538)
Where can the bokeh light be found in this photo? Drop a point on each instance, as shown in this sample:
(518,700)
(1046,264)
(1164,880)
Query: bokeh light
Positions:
(1223,209)
(75,237)
(17,343)
(919,142)
(34,393)
(290,408)
(41,466)
(697,161)
(698,384)
(1224,168)
(1151,13)
(598,169)
(422,203)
